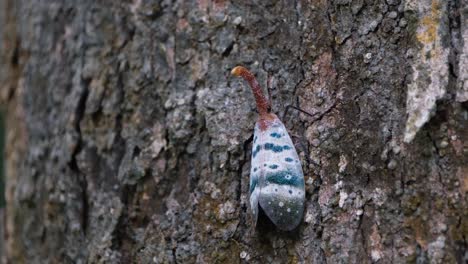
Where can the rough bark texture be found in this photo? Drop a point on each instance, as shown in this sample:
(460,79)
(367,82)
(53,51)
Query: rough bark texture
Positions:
(128,141)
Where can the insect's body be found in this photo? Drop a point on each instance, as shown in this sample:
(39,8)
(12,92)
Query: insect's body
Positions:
(276,177)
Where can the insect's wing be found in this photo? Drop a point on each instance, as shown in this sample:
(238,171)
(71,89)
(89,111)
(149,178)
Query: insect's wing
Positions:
(254,195)
(277,180)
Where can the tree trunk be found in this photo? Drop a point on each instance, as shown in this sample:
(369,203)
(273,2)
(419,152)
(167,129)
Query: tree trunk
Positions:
(128,141)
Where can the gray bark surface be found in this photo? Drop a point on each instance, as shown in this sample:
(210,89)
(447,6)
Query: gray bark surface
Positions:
(129,142)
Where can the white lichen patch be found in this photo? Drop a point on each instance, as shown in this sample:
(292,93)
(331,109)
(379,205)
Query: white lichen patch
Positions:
(430,65)
(159,142)
(309,218)
(226,211)
(462,93)
(376,255)
(343,197)
(343,164)
(436,250)
(379,197)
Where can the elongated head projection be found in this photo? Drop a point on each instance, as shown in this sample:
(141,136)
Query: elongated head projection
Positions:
(263,106)
(276,177)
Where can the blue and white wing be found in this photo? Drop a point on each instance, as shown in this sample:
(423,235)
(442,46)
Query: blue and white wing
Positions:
(276,178)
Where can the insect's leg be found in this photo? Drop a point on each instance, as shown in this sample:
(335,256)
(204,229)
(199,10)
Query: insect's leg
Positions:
(289,107)
(303,146)
(315,116)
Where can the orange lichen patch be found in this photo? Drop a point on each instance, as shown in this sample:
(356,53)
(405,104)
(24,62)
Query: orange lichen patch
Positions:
(429,31)
(293,259)
(463,176)
(420,230)
(429,25)
(416,223)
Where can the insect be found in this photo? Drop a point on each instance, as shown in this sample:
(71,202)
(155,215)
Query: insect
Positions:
(276,177)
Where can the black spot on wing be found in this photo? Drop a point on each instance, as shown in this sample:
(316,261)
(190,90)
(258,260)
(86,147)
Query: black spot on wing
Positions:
(286,177)
(253,183)
(273,147)
(277,148)
(275,135)
(256,150)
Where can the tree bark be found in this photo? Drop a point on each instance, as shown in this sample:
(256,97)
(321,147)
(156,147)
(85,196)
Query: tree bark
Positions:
(128,141)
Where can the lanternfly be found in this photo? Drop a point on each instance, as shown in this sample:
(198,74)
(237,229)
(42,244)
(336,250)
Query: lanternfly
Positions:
(276,177)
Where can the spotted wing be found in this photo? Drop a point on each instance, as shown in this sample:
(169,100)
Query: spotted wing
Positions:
(277,180)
